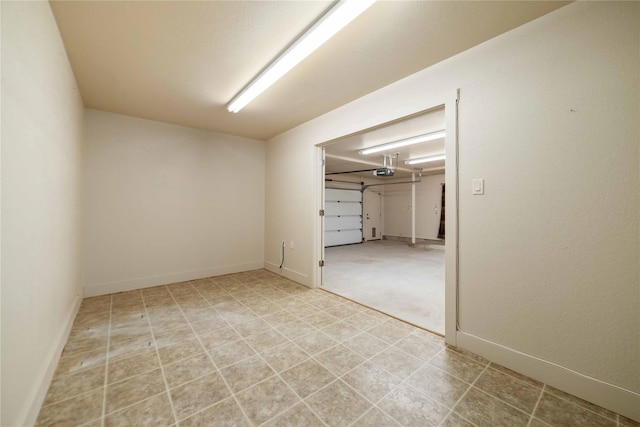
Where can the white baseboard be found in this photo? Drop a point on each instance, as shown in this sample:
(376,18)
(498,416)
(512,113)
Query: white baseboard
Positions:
(296,276)
(32,405)
(609,396)
(91,290)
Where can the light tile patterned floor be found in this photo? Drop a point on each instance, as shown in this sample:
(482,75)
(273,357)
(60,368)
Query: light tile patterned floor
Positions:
(256,349)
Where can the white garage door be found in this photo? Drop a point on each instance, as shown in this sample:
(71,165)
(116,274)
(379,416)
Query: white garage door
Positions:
(342,217)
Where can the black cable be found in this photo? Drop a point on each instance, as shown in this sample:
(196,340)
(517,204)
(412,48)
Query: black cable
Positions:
(282,255)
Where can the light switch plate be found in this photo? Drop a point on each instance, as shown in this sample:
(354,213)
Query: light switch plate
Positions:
(477,186)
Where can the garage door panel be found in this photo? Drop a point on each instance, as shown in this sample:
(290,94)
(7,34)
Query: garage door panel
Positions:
(332,223)
(335,238)
(343,217)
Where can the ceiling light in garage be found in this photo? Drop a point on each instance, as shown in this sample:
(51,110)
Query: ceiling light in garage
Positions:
(424,159)
(404,142)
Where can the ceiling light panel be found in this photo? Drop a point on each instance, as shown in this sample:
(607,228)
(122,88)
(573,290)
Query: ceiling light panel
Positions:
(333,21)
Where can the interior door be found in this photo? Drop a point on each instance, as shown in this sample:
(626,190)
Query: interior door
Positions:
(372,215)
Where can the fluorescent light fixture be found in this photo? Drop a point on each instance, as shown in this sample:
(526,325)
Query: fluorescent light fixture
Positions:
(333,21)
(404,142)
(425,159)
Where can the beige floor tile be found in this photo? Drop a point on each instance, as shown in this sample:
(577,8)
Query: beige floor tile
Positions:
(280,318)
(371,381)
(375,417)
(130,331)
(75,411)
(468,354)
(246,373)
(307,377)
(299,415)
(231,353)
(411,409)
(537,423)
(208,325)
(559,412)
(420,347)
(204,314)
(484,410)
(388,333)
(266,339)
(64,387)
(626,422)
(218,337)
(583,403)
(252,327)
(517,375)
(284,356)
(509,389)
(153,412)
(78,362)
(123,349)
(133,390)
(397,361)
(170,336)
(338,404)
(315,342)
(264,307)
(339,359)
(199,394)
(85,342)
(341,331)
(137,364)
(188,369)
(302,310)
(455,420)
(179,350)
(366,345)
(95,304)
(438,385)
(296,329)
(457,365)
(363,320)
(342,311)
(320,319)
(267,399)
(226,413)
(88,322)
(255,324)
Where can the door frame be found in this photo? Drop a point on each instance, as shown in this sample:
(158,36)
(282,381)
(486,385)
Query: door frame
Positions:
(450,102)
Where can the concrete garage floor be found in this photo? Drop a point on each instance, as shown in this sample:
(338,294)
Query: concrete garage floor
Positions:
(392,277)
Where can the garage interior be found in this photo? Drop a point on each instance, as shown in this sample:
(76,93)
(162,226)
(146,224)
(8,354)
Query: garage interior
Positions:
(384,228)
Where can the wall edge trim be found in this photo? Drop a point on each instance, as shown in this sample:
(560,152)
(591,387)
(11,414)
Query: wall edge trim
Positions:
(617,399)
(167,278)
(32,406)
(296,276)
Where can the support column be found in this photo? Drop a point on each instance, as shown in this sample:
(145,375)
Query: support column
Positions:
(413,208)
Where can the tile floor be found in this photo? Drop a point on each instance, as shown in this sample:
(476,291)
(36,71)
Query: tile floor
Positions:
(256,349)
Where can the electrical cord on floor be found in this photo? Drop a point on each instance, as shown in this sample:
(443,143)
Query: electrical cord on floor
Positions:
(282,263)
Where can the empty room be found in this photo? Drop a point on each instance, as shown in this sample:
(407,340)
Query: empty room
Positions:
(185,187)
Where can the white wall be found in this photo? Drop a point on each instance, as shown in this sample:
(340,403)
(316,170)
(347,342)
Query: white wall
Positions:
(549,257)
(397,208)
(41,205)
(165,203)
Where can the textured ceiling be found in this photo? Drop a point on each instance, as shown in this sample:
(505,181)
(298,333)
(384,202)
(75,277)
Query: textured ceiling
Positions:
(182,61)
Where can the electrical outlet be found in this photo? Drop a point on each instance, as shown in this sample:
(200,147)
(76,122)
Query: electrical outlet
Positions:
(291,245)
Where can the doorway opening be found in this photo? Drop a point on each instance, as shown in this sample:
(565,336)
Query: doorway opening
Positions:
(383,242)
